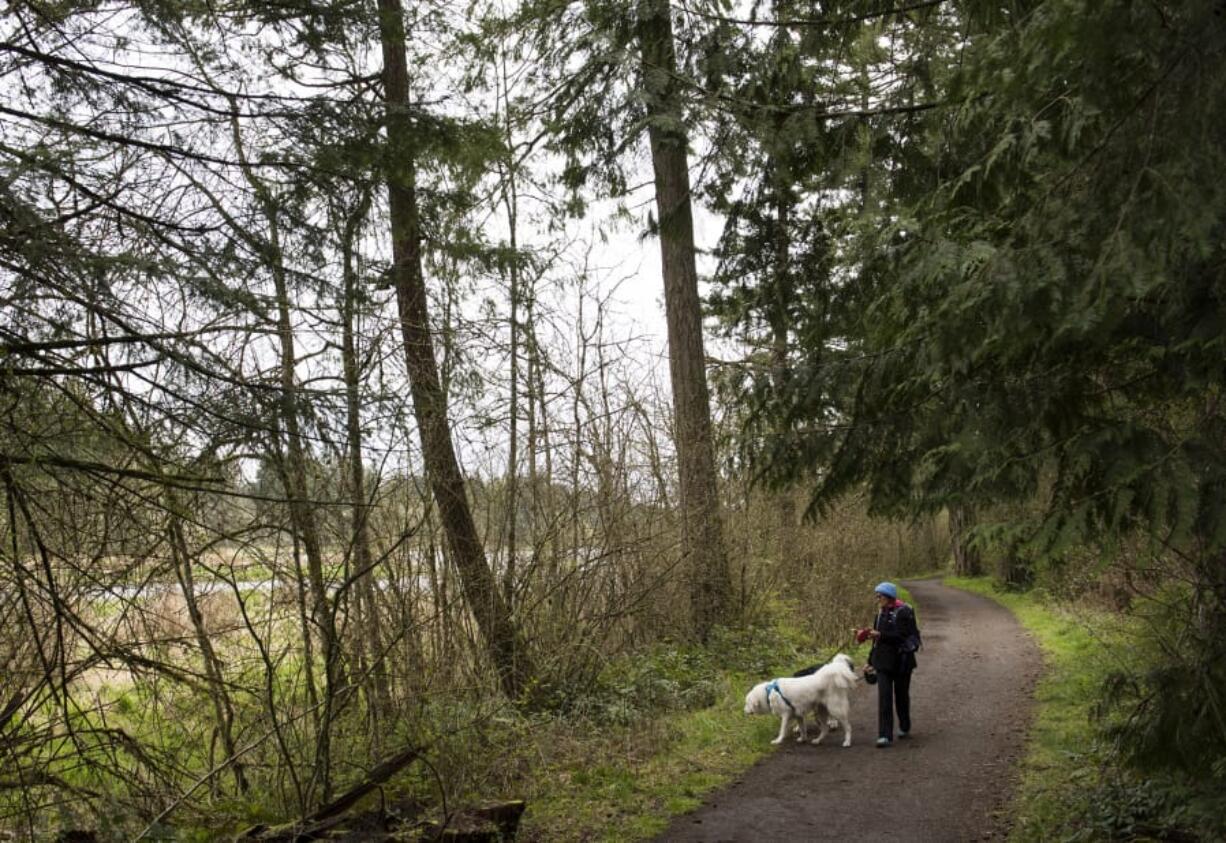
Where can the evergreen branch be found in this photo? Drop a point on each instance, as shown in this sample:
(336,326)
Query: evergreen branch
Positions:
(784,23)
(97,199)
(161,86)
(163,148)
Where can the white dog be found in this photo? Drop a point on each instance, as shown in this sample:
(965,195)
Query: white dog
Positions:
(825,693)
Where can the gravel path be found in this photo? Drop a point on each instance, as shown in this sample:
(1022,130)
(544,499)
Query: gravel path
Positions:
(970,704)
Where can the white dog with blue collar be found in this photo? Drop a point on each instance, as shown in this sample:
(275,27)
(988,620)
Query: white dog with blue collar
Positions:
(826,693)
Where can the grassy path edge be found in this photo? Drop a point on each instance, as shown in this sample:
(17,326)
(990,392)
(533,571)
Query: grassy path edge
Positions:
(631,795)
(1062,756)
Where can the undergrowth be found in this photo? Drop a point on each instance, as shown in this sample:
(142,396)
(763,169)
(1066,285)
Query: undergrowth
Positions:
(653,734)
(659,730)
(613,758)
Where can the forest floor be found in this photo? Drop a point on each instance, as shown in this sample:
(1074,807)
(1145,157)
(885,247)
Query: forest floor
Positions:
(971,704)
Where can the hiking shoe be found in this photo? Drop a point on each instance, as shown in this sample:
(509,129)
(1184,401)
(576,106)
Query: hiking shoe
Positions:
(882,743)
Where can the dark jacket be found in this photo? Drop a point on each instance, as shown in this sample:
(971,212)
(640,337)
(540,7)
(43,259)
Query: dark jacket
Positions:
(894,651)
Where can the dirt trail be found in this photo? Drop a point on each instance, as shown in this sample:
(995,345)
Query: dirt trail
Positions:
(970,704)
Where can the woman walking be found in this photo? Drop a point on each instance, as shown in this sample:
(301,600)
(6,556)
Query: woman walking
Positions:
(895,636)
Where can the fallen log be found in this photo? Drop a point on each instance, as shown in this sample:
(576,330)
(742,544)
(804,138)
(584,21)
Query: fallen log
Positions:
(492,823)
(377,777)
(324,819)
(505,816)
(497,823)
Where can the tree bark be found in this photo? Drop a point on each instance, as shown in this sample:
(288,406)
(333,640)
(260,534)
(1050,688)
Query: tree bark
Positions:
(785,506)
(370,637)
(967,562)
(544,499)
(510,199)
(502,639)
(297,486)
(223,710)
(702,534)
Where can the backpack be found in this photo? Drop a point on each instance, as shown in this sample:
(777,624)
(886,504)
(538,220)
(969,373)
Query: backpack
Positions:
(913,642)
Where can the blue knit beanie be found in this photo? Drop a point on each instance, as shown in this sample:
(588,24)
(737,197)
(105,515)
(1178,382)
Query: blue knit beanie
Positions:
(888,589)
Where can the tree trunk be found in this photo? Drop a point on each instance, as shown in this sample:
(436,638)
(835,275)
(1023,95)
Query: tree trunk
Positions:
(502,639)
(370,636)
(306,526)
(576,454)
(297,487)
(544,507)
(510,199)
(785,505)
(967,562)
(223,710)
(1013,568)
(702,535)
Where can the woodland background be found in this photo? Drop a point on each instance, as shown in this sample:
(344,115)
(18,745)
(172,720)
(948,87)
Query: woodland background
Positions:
(326,440)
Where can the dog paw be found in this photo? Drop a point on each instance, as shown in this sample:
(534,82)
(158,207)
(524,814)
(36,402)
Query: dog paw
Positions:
(777,740)
(815,741)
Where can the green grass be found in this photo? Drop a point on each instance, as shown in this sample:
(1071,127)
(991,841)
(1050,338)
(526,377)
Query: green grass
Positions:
(631,784)
(629,787)
(647,740)
(1072,786)
(1062,752)
(626,781)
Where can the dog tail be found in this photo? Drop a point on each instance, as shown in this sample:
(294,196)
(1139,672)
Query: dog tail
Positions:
(846,676)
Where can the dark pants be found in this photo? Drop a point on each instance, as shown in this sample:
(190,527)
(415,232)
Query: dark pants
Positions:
(893,689)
